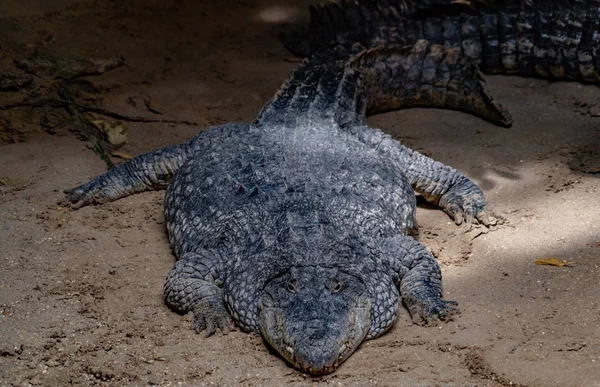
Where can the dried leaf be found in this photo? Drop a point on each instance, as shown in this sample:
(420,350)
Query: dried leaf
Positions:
(12,182)
(552,262)
(121,155)
(114,132)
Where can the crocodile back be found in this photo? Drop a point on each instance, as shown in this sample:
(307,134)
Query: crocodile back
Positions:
(241,190)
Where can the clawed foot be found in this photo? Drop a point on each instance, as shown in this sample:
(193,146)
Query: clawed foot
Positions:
(92,192)
(209,318)
(468,209)
(192,286)
(469,216)
(430,313)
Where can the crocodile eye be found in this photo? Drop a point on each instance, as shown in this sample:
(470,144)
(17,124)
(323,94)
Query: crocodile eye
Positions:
(292,286)
(336,286)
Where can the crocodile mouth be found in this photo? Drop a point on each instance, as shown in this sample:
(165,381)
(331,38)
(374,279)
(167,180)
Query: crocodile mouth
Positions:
(346,349)
(310,348)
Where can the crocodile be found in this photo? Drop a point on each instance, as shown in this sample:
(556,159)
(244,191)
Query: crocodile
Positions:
(300,225)
(551,39)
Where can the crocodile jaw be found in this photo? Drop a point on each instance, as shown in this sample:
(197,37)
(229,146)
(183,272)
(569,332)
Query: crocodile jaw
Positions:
(315,347)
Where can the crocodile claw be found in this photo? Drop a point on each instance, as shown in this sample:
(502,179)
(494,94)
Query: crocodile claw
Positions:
(209,320)
(489,219)
(467,205)
(432,312)
(92,192)
(470,216)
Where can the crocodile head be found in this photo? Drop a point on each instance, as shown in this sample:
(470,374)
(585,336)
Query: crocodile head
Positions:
(315,316)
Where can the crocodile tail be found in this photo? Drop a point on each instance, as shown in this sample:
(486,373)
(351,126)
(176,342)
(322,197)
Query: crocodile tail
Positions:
(342,22)
(556,39)
(367,22)
(424,75)
(345,89)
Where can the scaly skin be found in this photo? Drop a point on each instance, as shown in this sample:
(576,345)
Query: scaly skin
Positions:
(555,39)
(348,87)
(298,225)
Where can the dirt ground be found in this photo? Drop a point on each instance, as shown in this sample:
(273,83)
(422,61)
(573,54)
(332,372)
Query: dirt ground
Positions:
(80,291)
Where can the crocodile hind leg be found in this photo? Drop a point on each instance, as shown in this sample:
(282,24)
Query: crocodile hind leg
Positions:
(439,184)
(146,172)
(449,189)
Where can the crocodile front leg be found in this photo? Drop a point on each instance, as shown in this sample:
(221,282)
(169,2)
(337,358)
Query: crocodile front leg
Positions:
(194,285)
(146,172)
(419,280)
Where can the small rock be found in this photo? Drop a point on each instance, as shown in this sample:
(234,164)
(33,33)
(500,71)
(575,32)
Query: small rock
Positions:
(594,110)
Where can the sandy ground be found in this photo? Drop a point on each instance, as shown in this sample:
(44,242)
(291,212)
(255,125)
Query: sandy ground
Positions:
(80,291)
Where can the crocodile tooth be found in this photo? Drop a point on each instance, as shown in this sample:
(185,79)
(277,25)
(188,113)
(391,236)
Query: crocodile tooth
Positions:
(290,350)
(342,349)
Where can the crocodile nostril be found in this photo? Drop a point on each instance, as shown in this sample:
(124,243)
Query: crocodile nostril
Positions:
(292,286)
(336,286)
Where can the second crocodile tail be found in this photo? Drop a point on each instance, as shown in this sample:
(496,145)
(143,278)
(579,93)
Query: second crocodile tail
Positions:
(425,75)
